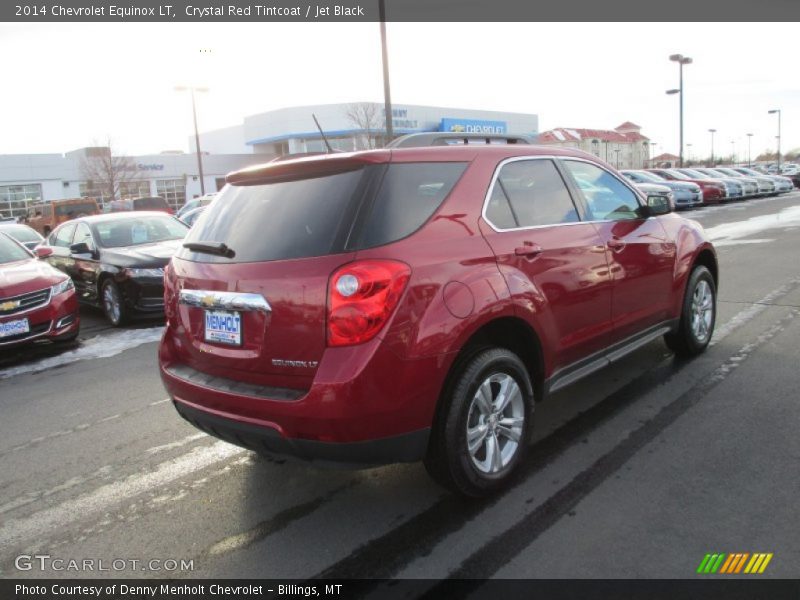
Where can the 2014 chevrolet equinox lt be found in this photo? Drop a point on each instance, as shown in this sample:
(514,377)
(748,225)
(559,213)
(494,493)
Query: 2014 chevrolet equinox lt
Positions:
(405,304)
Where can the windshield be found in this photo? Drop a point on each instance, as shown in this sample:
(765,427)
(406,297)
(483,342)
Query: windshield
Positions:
(651,177)
(11,251)
(749,172)
(696,174)
(21,233)
(134,231)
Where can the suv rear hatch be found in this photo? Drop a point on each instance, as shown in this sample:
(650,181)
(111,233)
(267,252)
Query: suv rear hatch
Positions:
(247,295)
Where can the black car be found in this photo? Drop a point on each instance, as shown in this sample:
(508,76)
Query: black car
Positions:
(117,260)
(27,236)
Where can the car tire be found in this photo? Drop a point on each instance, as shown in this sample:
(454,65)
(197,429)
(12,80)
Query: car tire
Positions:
(113,304)
(483,431)
(698,315)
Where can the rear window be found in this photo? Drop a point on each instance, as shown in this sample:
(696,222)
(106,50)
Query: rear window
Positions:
(150,203)
(281,220)
(77,209)
(324,215)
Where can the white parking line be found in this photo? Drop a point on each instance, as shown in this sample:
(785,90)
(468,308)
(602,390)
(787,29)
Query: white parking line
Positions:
(104,498)
(752,311)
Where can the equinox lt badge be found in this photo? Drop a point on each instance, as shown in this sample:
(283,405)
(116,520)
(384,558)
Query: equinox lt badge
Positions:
(305,364)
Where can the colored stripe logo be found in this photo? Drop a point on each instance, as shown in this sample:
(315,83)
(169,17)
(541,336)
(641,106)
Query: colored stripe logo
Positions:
(734,564)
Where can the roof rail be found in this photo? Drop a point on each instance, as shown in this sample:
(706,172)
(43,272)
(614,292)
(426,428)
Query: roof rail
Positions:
(451,138)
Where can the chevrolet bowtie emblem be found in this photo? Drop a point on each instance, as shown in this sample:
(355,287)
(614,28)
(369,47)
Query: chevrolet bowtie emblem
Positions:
(208,300)
(10,305)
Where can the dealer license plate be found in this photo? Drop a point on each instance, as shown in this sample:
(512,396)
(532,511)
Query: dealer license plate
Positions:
(224,327)
(16,327)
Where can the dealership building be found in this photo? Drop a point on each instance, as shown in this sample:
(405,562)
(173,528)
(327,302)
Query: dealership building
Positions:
(26,179)
(353,126)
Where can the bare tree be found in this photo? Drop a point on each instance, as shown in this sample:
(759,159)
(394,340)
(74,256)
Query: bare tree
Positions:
(367,117)
(105,173)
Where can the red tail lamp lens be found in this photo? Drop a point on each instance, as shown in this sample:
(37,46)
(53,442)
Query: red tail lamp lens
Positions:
(361,298)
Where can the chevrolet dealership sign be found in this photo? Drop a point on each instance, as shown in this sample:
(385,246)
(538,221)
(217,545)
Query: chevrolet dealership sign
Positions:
(473,126)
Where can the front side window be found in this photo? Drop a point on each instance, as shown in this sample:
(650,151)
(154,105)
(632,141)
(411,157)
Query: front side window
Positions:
(607,198)
(530,193)
(62,236)
(84,235)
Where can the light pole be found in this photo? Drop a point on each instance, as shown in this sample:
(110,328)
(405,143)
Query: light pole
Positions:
(192,90)
(733,152)
(387,94)
(681,60)
(749,163)
(688,152)
(772,112)
(712,131)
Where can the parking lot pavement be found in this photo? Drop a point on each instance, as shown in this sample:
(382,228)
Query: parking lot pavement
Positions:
(636,471)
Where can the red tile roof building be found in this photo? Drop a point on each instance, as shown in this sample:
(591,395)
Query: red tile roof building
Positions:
(623,147)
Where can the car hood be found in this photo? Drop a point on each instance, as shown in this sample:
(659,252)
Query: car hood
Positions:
(145,255)
(24,276)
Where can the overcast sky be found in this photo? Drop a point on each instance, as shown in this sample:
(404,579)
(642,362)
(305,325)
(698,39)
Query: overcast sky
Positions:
(66,86)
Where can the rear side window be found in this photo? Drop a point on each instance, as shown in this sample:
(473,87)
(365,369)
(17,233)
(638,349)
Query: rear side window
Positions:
(409,194)
(62,236)
(529,193)
(280,220)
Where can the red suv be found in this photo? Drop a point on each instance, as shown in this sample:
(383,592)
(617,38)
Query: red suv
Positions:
(414,303)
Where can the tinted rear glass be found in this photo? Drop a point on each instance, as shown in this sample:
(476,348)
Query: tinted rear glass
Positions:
(281,220)
(324,215)
(149,203)
(409,194)
(74,210)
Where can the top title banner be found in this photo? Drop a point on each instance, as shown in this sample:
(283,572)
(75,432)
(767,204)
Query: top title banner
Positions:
(397,10)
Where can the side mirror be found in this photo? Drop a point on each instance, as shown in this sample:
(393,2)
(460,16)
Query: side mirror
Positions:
(43,251)
(80,248)
(658,205)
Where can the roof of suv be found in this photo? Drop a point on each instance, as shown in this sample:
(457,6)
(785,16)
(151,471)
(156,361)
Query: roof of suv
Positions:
(331,163)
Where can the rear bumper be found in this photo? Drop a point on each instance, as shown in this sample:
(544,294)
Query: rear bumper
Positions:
(409,447)
(365,406)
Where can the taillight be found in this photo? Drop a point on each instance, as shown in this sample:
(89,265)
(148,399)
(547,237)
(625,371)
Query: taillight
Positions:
(361,297)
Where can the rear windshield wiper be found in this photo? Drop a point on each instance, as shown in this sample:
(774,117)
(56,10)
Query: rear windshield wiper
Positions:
(217,248)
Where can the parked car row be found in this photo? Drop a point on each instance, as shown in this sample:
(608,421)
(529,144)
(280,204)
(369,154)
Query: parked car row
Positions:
(725,183)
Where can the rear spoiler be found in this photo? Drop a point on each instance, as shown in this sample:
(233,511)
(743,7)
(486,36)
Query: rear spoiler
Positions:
(309,166)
